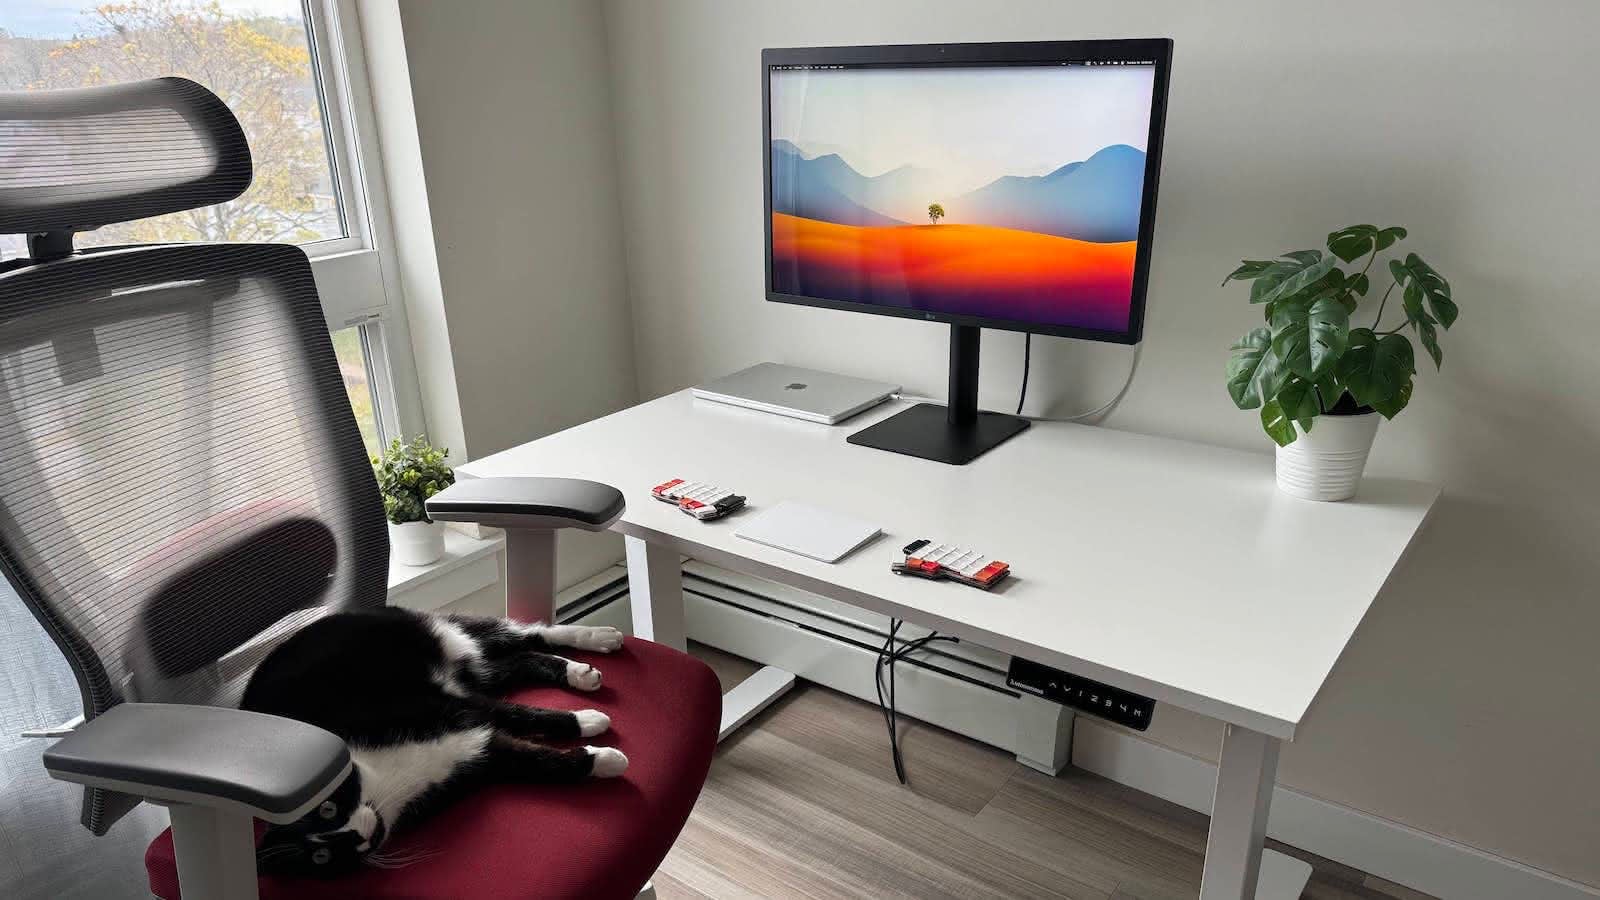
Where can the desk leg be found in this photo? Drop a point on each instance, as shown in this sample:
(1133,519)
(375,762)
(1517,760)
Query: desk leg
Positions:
(1245,776)
(1044,734)
(655,591)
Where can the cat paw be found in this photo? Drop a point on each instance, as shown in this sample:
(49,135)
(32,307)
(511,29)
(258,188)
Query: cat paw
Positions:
(583,676)
(608,762)
(600,639)
(592,722)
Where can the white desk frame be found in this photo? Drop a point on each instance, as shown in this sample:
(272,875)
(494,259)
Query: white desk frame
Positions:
(1172,569)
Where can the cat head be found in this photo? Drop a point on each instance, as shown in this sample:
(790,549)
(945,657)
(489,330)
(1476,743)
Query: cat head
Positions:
(332,839)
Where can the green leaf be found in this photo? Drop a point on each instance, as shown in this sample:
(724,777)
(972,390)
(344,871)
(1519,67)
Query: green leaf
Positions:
(1298,400)
(1432,285)
(1359,284)
(1412,298)
(408,474)
(1398,346)
(1430,342)
(1328,392)
(1255,374)
(1350,244)
(1373,369)
(1288,277)
(1249,269)
(1309,335)
(1388,236)
(1277,425)
(1291,337)
(1391,406)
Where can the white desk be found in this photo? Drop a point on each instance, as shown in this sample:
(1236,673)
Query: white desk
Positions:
(1172,569)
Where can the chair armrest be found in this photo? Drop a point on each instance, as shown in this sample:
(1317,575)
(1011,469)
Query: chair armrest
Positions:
(273,768)
(532,503)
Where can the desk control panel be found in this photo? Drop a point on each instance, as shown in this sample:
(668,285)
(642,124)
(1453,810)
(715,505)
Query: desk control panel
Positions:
(1092,697)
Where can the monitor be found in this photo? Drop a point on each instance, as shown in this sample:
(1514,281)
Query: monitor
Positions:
(1006,186)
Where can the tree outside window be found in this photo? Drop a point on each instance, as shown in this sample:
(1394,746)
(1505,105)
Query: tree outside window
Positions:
(259,64)
(254,54)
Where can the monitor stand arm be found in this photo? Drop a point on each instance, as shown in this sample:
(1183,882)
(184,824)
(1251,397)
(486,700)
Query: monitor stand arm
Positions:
(955,434)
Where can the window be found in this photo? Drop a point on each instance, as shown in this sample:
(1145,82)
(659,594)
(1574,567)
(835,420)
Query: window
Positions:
(293,78)
(350,346)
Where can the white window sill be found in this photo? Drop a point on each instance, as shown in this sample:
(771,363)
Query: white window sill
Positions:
(469,565)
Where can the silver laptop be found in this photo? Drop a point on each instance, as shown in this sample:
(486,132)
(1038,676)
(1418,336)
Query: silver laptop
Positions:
(800,393)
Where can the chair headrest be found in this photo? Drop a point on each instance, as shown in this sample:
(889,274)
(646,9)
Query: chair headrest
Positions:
(74,160)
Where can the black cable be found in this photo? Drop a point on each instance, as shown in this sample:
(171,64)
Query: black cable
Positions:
(1027,355)
(887,708)
(887,657)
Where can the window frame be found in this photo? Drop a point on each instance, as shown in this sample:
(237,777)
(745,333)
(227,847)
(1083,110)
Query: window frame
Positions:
(357,276)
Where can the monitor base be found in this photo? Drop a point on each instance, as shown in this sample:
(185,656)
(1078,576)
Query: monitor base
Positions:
(925,431)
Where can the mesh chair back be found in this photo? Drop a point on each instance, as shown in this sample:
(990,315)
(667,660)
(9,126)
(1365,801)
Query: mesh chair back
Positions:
(182,481)
(77,159)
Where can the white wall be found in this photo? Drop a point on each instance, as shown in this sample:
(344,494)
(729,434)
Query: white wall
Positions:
(513,116)
(514,119)
(1465,706)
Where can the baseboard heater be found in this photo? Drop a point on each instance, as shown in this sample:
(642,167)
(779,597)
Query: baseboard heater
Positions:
(842,631)
(960,687)
(601,597)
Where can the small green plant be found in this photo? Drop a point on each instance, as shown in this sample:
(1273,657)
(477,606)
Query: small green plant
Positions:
(1310,354)
(408,474)
(935,212)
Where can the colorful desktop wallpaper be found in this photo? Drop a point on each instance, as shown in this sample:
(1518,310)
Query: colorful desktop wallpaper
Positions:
(1005,192)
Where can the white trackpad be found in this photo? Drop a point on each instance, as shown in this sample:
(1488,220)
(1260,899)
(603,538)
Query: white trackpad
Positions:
(818,533)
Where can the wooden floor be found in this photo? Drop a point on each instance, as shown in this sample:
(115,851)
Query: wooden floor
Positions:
(803,802)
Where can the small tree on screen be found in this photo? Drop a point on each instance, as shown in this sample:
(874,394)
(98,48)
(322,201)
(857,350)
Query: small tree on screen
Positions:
(935,213)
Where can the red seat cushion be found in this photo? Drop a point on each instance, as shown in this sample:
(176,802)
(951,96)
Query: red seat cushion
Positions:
(594,840)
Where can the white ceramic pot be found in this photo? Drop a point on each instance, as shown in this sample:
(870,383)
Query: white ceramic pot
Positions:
(1326,462)
(416,543)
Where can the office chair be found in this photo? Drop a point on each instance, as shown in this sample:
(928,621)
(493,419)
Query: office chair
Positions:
(182,485)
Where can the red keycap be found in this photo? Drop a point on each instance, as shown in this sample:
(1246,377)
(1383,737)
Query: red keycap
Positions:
(991,572)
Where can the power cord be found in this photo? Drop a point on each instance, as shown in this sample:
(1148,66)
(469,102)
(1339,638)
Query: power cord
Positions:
(1027,357)
(1027,352)
(1138,350)
(887,657)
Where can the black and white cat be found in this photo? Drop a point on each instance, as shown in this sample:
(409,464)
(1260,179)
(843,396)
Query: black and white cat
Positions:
(416,698)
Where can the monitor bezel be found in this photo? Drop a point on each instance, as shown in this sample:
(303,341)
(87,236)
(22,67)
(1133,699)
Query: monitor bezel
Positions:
(1009,53)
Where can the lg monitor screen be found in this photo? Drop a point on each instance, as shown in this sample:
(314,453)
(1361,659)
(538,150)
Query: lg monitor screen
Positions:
(1003,185)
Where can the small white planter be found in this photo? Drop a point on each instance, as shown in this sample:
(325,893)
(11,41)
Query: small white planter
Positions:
(416,543)
(1326,462)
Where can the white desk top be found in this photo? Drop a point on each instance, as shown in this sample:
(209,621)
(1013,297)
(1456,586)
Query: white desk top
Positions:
(1173,569)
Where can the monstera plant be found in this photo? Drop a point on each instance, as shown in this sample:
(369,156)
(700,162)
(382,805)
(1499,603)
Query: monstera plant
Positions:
(1326,346)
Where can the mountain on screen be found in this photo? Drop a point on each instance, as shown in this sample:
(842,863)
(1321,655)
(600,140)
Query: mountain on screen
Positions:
(824,188)
(1097,199)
